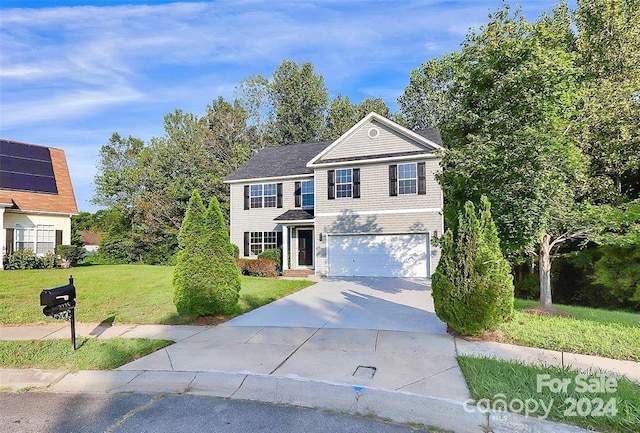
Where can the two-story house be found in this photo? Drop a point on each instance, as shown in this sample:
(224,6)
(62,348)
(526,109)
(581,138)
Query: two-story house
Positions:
(366,204)
(36,198)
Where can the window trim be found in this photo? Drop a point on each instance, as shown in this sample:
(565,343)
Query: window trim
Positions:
(413,179)
(254,196)
(39,234)
(338,183)
(307,194)
(261,245)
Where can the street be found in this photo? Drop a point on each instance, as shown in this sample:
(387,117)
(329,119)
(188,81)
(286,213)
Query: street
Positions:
(135,413)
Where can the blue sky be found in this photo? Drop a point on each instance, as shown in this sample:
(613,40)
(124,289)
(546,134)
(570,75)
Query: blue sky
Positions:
(73,72)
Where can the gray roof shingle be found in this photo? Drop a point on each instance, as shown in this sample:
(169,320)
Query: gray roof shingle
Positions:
(295,215)
(279,161)
(432,134)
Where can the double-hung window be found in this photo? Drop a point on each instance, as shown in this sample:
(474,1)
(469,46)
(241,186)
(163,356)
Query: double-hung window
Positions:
(261,241)
(344,183)
(256,196)
(407,178)
(40,239)
(262,195)
(269,193)
(306,191)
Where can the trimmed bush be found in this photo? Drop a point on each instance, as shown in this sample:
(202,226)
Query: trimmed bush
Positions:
(69,255)
(27,259)
(205,280)
(236,250)
(473,285)
(257,267)
(274,254)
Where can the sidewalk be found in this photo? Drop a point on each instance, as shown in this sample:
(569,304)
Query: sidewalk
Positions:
(405,376)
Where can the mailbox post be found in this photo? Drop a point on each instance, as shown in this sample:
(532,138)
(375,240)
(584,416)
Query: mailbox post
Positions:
(60,303)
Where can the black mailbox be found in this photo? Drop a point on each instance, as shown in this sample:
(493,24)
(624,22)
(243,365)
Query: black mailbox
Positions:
(58,299)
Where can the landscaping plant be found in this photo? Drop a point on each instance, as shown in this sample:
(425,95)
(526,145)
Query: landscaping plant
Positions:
(473,285)
(206,280)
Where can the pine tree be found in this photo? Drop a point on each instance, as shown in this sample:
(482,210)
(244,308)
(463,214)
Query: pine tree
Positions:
(473,286)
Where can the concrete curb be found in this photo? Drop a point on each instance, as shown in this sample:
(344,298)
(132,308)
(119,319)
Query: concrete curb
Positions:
(402,407)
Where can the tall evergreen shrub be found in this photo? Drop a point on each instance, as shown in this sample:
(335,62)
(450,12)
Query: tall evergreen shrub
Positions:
(206,279)
(473,285)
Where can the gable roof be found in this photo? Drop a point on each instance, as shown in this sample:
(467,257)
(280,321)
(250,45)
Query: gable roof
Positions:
(288,160)
(62,201)
(424,144)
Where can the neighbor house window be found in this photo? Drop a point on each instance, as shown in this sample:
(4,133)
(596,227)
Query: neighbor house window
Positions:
(344,185)
(307,194)
(40,239)
(407,178)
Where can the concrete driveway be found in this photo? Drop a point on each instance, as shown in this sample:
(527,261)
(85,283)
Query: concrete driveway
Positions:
(385,304)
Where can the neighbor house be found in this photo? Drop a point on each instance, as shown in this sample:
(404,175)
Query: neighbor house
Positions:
(36,198)
(366,204)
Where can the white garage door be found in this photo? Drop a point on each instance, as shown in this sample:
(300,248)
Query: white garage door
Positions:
(378,255)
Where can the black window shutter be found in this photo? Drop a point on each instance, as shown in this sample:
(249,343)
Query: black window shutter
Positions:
(356,183)
(9,240)
(279,239)
(279,194)
(331,176)
(422,178)
(393,180)
(298,194)
(58,237)
(247,197)
(247,249)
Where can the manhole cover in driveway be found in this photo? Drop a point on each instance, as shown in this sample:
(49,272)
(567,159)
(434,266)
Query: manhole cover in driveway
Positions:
(364,372)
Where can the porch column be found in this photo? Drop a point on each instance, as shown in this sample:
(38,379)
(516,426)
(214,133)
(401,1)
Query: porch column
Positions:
(285,247)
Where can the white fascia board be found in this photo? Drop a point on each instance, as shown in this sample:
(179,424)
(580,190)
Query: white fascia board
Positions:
(271,179)
(375,116)
(378,160)
(40,212)
(422,232)
(379,212)
(298,222)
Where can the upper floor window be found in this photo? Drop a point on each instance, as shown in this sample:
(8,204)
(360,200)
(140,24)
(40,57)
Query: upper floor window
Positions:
(263,195)
(344,186)
(40,239)
(344,183)
(306,191)
(407,178)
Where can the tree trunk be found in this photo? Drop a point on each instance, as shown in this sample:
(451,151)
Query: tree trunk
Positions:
(545,272)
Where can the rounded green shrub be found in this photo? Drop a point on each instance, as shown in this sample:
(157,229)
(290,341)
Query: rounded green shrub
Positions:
(274,254)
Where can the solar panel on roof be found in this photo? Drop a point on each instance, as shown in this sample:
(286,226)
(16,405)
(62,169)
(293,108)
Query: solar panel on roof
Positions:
(24,167)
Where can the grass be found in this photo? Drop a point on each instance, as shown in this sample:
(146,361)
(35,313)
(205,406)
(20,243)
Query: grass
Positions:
(119,293)
(512,382)
(91,353)
(611,334)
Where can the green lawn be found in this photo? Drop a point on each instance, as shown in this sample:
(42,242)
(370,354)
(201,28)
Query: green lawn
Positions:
(591,331)
(512,383)
(91,353)
(119,293)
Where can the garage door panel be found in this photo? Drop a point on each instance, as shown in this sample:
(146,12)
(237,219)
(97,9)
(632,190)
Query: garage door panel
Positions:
(378,255)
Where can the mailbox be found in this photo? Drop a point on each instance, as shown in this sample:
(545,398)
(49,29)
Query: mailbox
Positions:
(58,299)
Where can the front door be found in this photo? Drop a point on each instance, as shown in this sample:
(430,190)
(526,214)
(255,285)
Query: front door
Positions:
(305,247)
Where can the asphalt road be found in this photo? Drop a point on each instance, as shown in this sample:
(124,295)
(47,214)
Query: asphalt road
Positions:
(61,413)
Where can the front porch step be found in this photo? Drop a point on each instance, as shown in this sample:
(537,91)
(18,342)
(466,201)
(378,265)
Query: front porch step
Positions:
(298,273)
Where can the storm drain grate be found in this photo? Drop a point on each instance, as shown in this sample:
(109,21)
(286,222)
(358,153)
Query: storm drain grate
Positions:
(365,372)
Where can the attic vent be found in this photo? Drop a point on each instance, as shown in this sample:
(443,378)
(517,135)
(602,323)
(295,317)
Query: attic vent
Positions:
(373,132)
